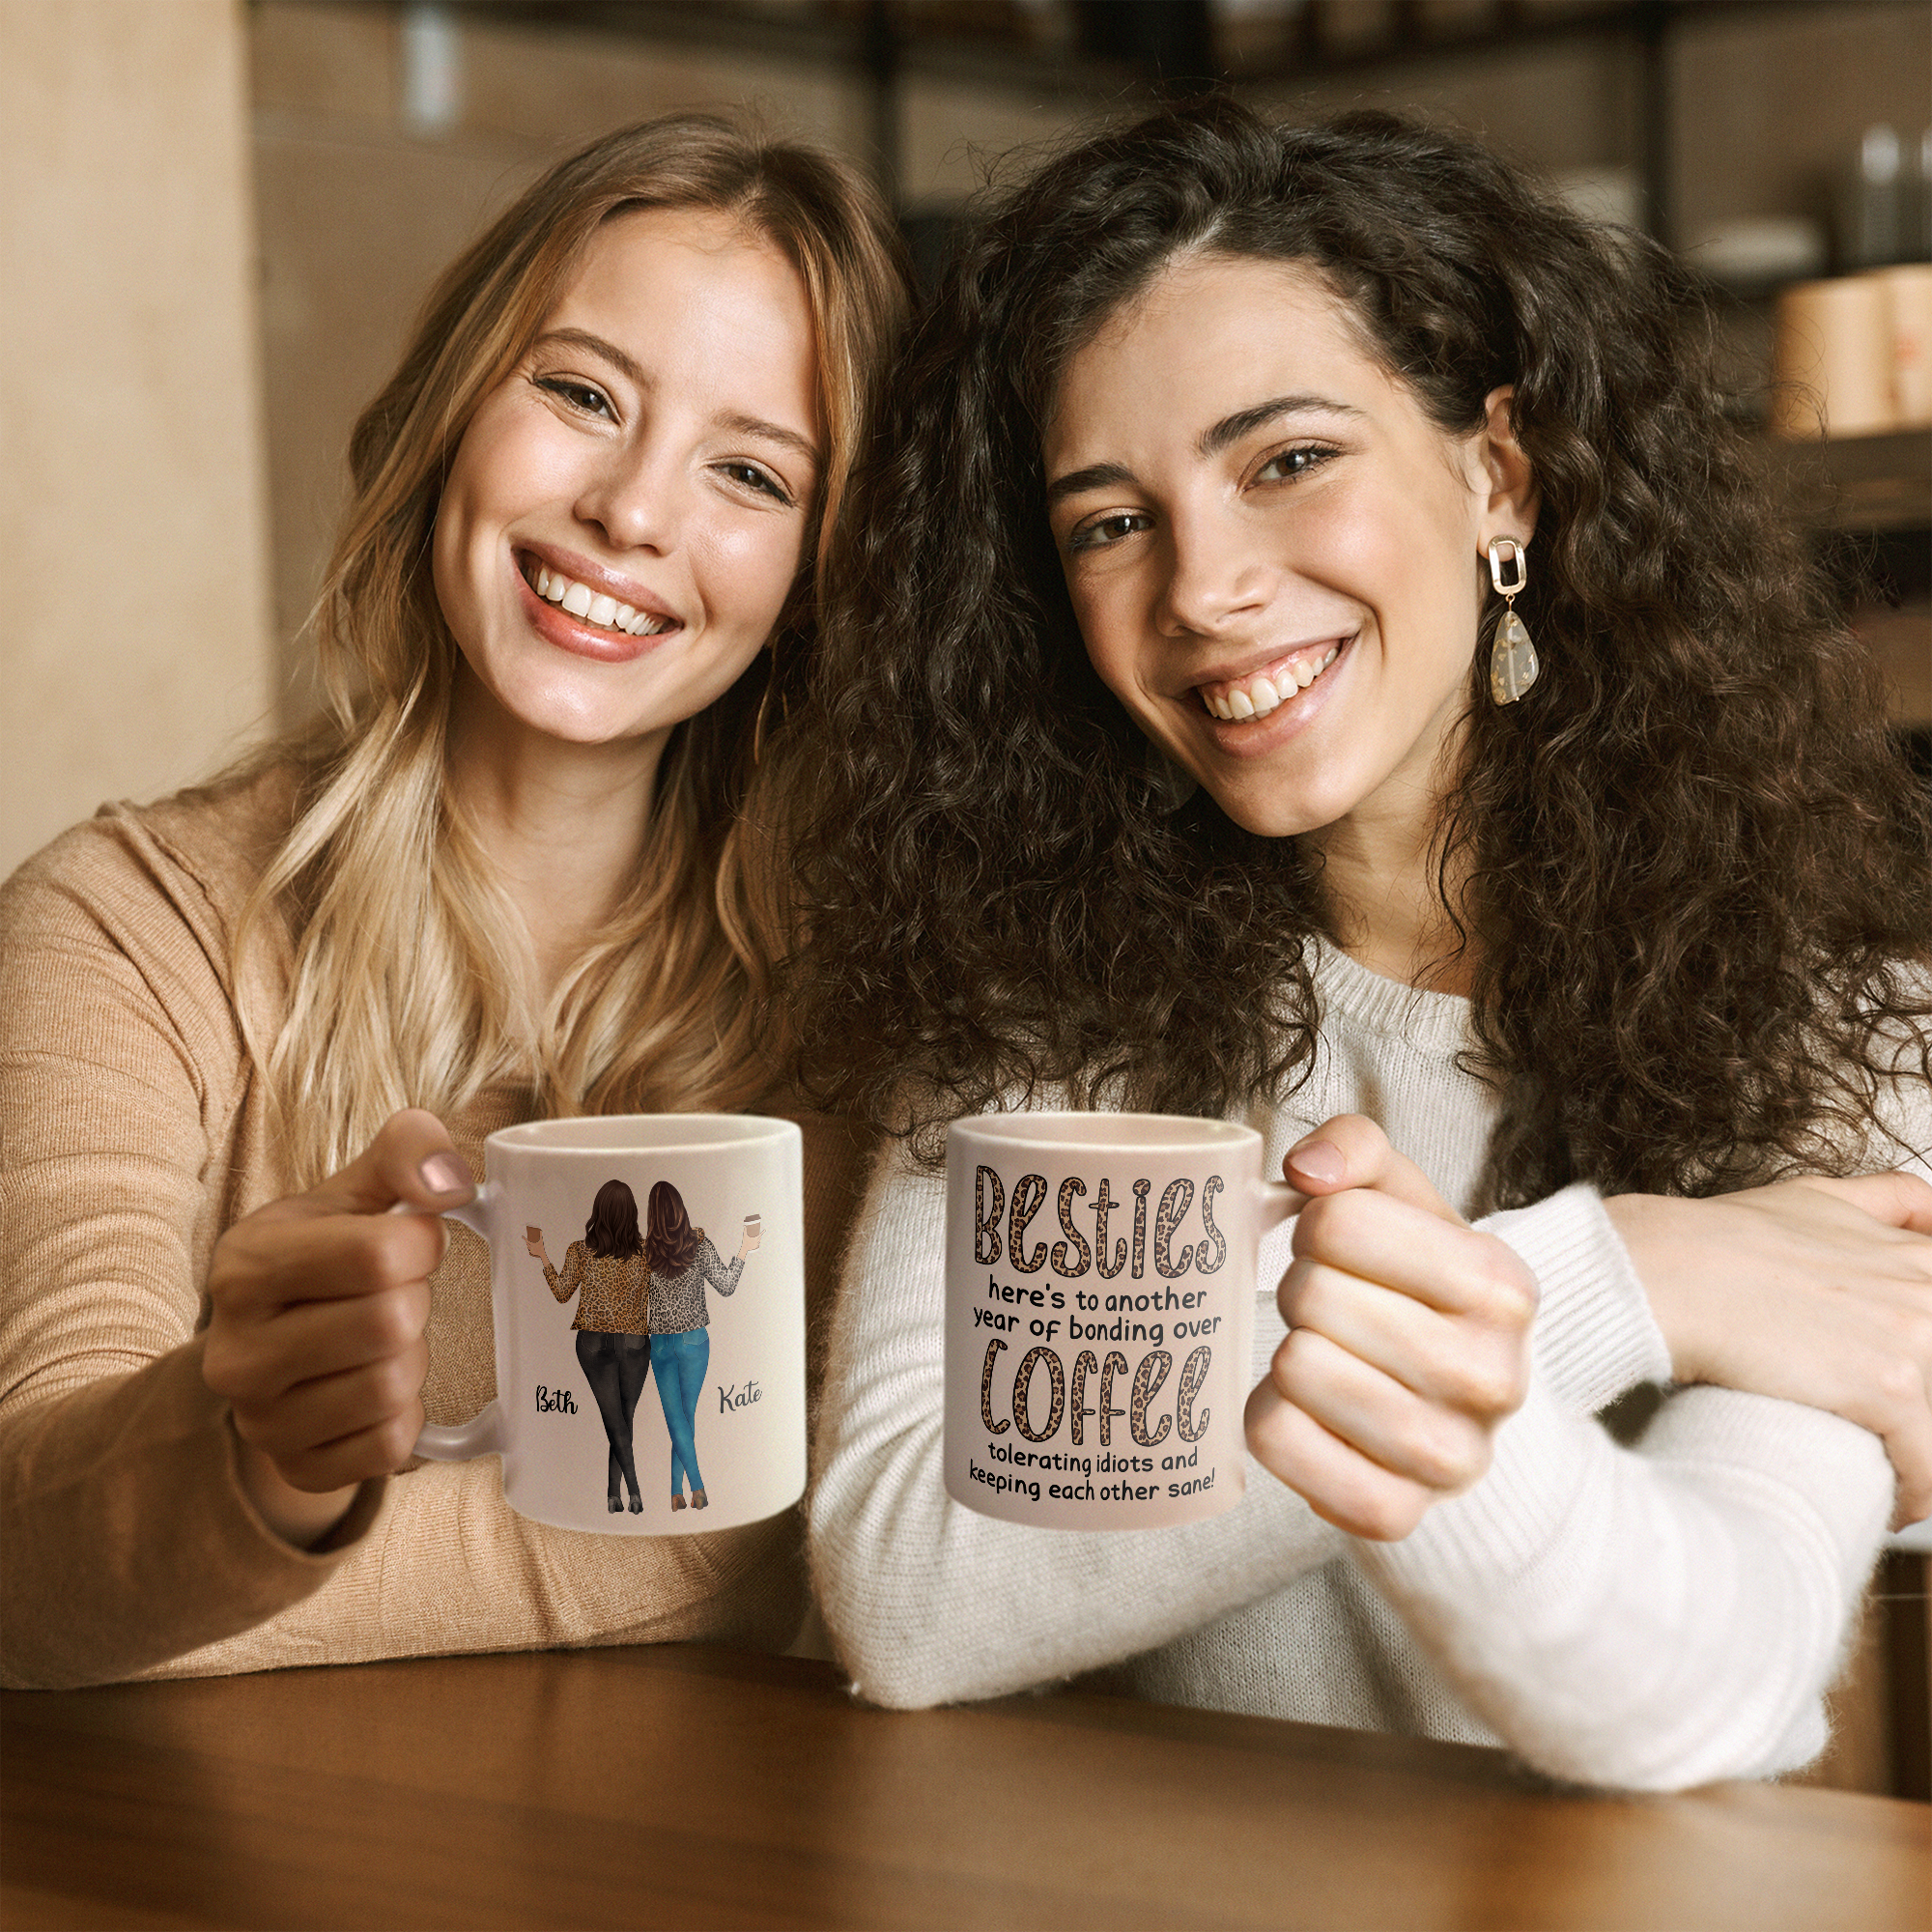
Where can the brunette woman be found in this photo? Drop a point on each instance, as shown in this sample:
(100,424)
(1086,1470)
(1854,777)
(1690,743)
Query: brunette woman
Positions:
(682,1259)
(608,1273)
(1183,750)
(522,868)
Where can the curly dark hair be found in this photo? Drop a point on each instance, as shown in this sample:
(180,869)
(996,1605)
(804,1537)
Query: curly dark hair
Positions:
(1697,875)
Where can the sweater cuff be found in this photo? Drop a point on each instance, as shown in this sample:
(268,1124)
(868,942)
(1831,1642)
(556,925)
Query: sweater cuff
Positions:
(1595,1336)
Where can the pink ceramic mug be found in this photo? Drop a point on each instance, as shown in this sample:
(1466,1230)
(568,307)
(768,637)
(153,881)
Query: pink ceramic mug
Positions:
(1100,1280)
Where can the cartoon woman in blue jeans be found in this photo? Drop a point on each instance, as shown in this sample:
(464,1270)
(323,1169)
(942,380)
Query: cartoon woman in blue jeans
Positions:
(681,1260)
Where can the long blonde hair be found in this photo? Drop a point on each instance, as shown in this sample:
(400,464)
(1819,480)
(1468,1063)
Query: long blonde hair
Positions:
(414,978)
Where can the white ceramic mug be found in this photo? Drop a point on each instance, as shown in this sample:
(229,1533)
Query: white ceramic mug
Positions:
(1101,1276)
(714,1411)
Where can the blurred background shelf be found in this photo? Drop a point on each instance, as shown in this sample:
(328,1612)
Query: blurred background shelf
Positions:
(1869,498)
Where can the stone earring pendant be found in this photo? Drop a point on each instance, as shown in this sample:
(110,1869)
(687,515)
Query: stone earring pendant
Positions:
(1512,665)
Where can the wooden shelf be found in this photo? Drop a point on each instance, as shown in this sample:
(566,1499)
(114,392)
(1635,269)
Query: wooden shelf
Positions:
(1863,483)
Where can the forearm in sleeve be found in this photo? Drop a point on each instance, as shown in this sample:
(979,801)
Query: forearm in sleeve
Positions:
(1658,1618)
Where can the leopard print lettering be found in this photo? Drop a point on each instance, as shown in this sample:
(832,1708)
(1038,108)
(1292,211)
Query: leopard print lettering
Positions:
(1115,1364)
(985,1226)
(1063,1265)
(1022,1390)
(1148,1379)
(1210,1187)
(1029,1193)
(1176,1198)
(1188,1426)
(986,1393)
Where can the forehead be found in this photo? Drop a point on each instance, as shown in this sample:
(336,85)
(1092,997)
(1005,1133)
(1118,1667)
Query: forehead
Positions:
(699,289)
(1213,327)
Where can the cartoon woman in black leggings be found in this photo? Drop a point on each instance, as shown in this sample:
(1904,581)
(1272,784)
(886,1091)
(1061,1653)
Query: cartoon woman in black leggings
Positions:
(607,1271)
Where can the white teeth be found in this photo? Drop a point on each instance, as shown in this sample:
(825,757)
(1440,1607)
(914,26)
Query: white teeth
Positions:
(593,607)
(1255,695)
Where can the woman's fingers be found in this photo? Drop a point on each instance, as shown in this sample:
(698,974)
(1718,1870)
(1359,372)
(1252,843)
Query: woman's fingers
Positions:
(1477,1369)
(328,1408)
(263,1360)
(1339,1484)
(412,1159)
(1439,1446)
(1902,1200)
(1408,1345)
(318,1308)
(271,1262)
(1349,1151)
(338,1464)
(1445,1263)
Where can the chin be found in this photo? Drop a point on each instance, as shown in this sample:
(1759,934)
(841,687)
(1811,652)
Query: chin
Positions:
(1271,815)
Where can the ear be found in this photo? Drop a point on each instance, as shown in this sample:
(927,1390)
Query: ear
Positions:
(1510,510)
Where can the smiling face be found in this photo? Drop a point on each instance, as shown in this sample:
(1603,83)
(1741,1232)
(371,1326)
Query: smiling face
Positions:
(1273,553)
(625,514)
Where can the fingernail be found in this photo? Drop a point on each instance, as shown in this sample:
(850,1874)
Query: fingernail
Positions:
(445,1174)
(1319,1160)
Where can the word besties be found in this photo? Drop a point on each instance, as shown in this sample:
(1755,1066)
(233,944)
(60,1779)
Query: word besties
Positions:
(1001,1227)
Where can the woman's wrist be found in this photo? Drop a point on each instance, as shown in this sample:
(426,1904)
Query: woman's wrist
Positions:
(301,1517)
(1661,1239)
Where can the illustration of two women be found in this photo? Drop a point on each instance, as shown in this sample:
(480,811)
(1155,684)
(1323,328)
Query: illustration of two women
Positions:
(641,1306)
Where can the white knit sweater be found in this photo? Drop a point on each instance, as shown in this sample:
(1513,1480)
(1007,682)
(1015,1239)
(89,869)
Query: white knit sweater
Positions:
(1648,1618)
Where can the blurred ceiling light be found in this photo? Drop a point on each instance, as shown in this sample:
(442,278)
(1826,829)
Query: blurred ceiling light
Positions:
(432,70)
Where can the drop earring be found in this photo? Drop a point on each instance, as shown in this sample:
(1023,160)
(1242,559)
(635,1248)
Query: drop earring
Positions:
(1513,664)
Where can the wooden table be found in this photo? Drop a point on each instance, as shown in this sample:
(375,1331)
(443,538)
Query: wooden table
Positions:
(688,1786)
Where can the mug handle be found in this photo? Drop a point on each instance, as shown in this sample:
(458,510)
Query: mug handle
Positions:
(483,1433)
(1279,1203)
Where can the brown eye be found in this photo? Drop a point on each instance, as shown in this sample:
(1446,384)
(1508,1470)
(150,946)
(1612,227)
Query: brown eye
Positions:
(751,477)
(1289,464)
(578,395)
(1105,532)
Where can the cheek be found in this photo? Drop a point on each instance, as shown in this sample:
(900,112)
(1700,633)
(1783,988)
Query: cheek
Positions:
(747,569)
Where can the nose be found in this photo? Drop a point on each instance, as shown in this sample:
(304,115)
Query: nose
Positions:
(1217,574)
(637,497)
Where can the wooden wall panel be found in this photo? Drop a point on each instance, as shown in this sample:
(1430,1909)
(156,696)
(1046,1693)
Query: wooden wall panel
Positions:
(135,653)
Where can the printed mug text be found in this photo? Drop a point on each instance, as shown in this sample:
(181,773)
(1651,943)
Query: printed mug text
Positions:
(556,1402)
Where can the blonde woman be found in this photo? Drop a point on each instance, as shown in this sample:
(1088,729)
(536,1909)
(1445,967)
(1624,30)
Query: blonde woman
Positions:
(515,871)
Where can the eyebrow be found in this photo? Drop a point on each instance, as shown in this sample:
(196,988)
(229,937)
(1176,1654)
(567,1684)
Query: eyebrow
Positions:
(1095,476)
(634,372)
(1257,415)
(1230,430)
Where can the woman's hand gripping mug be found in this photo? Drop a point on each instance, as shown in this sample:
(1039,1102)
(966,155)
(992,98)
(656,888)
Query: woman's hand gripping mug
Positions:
(668,1289)
(1100,1280)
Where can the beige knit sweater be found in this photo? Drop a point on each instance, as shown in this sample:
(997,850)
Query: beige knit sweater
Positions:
(134,1131)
